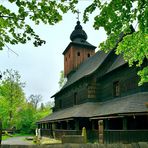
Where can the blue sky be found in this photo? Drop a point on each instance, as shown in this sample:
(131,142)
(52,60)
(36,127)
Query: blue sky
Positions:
(40,67)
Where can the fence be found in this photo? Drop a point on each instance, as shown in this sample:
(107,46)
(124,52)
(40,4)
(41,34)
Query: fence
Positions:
(125,136)
(58,133)
(118,145)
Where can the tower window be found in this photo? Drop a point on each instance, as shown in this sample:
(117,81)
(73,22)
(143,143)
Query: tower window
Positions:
(66,59)
(88,55)
(78,53)
(69,55)
(116,89)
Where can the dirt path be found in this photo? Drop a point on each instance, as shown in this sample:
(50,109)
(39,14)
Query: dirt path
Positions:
(17,141)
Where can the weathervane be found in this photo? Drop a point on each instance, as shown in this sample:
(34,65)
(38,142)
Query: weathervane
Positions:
(78,12)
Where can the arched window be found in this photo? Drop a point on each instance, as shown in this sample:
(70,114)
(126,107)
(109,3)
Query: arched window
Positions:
(88,55)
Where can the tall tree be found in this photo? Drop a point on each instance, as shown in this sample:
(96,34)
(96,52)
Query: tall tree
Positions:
(116,17)
(14,16)
(12,94)
(35,100)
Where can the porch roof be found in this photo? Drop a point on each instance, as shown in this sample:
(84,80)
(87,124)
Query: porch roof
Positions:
(129,104)
(135,103)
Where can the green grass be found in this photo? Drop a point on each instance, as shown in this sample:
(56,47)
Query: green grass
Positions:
(4,137)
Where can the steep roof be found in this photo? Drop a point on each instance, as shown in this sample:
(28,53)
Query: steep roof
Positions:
(119,61)
(90,65)
(135,103)
(86,68)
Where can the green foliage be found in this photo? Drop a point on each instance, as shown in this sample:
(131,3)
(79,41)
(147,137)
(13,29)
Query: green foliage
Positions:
(34,100)
(15,110)
(14,26)
(62,80)
(12,96)
(116,17)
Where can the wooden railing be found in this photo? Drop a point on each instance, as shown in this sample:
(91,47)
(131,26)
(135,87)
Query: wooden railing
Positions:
(125,136)
(110,136)
(58,133)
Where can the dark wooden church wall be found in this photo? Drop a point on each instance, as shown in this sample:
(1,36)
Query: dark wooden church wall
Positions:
(128,83)
(73,96)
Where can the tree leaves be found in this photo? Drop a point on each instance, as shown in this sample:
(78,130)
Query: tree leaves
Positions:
(116,17)
(14,26)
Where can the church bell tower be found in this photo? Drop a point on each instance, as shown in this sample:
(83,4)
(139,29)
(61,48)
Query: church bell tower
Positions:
(77,51)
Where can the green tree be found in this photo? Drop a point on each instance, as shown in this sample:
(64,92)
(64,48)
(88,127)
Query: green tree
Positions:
(14,24)
(12,96)
(35,100)
(26,118)
(62,80)
(44,110)
(116,17)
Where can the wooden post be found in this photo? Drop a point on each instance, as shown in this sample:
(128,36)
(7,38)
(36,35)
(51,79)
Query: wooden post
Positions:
(124,123)
(53,130)
(101,131)
(106,124)
(77,124)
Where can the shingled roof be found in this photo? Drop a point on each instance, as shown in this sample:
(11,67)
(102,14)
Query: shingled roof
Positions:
(86,68)
(119,61)
(130,104)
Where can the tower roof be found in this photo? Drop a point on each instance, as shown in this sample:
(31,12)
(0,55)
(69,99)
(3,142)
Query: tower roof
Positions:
(79,37)
(78,33)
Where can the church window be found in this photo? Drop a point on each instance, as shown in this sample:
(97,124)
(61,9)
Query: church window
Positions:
(78,53)
(88,55)
(116,89)
(69,55)
(66,59)
(75,98)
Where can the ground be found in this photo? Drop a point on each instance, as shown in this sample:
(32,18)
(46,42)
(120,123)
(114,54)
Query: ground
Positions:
(17,141)
(21,140)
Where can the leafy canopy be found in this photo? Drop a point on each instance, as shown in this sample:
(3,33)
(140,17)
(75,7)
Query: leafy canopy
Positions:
(116,17)
(14,24)
(17,111)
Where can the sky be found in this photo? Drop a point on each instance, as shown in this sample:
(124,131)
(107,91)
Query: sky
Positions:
(40,67)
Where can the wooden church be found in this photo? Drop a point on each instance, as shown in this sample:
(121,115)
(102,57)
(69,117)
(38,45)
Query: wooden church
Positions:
(101,94)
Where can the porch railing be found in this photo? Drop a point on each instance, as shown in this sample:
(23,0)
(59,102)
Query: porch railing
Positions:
(110,136)
(58,133)
(125,136)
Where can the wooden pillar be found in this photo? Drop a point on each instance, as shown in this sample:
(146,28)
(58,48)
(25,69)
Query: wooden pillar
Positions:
(77,124)
(93,124)
(101,131)
(106,124)
(68,125)
(53,130)
(124,123)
